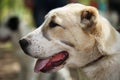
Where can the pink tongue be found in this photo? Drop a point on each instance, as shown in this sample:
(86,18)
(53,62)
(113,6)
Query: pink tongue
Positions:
(40,64)
(51,62)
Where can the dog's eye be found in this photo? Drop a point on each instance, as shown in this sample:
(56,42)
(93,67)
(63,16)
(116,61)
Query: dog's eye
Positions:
(53,24)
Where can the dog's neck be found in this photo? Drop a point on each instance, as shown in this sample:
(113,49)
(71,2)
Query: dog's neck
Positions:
(94,61)
(109,38)
(102,65)
(107,65)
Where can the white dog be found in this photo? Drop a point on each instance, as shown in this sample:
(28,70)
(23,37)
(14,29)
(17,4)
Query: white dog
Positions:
(77,36)
(13,29)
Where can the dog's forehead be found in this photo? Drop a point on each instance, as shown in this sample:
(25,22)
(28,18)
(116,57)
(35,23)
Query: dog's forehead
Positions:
(70,8)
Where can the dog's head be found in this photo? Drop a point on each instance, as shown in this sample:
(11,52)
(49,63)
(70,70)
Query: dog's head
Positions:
(67,37)
(8,27)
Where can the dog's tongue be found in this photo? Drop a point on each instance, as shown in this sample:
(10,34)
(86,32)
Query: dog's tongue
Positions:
(40,64)
(49,63)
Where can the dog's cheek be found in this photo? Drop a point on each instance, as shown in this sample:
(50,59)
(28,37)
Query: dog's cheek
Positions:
(72,62)
(56,33)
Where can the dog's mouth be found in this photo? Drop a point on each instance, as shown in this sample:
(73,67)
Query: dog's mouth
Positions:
(3,40)
(48,64)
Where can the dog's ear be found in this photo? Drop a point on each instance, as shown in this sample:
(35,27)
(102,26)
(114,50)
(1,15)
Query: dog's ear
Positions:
(88,17)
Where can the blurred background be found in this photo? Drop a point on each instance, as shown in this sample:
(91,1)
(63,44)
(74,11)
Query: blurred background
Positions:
(19,17)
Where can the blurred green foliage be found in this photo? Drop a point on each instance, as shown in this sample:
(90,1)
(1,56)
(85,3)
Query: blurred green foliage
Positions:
(15,7)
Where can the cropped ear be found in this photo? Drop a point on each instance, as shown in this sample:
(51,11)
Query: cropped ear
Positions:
(88,17)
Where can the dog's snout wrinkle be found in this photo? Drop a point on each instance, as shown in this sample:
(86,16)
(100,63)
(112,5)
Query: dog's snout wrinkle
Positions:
(68,43)
(45,35)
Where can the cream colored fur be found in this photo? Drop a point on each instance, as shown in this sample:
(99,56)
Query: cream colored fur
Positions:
(85,35)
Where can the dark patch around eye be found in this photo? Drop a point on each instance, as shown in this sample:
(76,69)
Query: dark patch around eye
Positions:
(53,24)
(13,23)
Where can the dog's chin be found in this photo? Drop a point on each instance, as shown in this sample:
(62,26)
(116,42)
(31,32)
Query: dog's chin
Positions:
(52,63)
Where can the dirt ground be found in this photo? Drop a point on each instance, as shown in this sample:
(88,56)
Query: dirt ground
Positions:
(9,66)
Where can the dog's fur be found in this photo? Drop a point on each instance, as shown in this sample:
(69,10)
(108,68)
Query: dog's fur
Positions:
(90,40)
(12,30)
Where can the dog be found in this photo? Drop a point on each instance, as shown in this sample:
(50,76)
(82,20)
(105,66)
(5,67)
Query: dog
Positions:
(12,30)
(76,36)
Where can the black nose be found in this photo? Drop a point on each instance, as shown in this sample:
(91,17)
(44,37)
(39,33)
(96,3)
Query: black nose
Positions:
(24,44)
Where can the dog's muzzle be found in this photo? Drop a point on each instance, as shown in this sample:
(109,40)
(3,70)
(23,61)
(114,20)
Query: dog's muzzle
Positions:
(24,44)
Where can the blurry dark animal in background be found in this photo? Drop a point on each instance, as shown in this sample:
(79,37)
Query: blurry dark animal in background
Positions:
(8,27)
(12,29)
